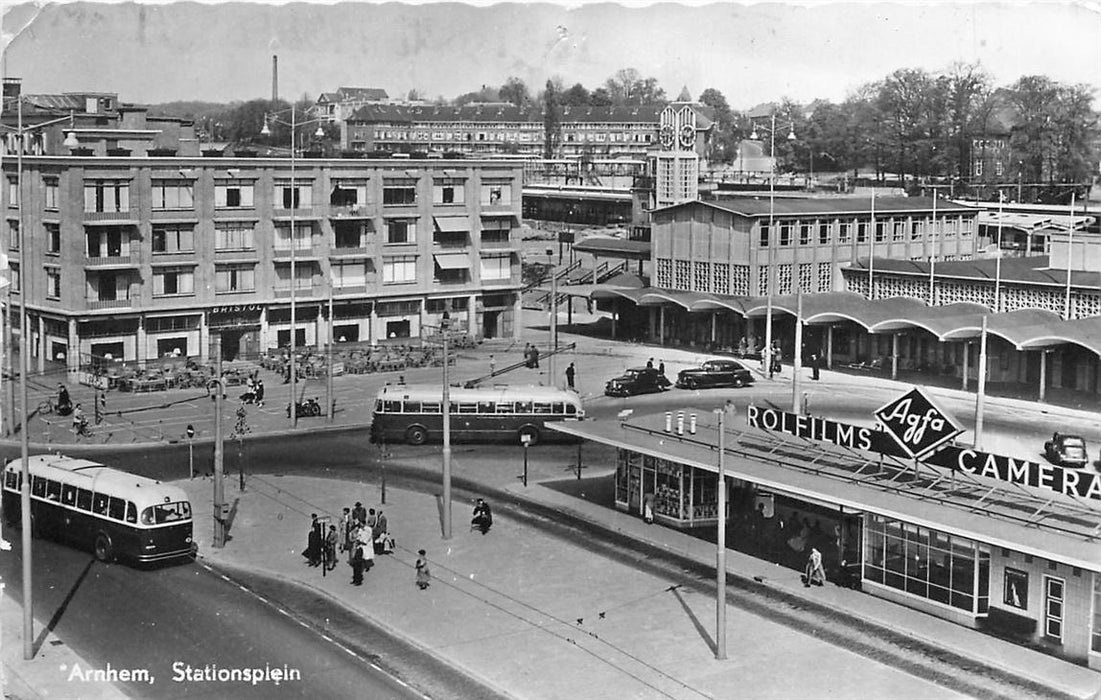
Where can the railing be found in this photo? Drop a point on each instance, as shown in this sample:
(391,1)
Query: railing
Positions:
(350,250)
(488,243)
(108,303)
(348,211)
(110,260)
(450,243)
(285,292)
(128,215)
(304,212)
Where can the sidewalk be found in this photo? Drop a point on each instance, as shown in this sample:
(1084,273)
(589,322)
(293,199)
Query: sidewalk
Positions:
(517,607)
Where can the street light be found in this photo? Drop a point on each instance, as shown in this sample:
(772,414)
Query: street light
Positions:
(266,131)
(771,228)
(24,369)
(445,329)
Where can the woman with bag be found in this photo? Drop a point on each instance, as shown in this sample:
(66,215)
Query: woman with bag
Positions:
(424,576)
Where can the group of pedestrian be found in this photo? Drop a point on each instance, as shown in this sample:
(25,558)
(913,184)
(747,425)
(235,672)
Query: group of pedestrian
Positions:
(531,356)
(362,534)
(254,390)
(661,366)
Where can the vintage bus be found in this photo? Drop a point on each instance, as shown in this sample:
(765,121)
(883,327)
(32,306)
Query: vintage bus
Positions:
(115,514)
(413,413)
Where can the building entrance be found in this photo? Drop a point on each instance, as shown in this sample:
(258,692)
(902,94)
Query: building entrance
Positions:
(240,342)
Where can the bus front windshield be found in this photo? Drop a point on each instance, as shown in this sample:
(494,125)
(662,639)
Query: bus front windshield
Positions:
(166,513)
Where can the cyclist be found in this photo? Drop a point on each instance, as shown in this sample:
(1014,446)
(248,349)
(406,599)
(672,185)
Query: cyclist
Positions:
(80,421)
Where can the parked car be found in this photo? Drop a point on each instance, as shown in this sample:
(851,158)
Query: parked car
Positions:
(1066,450)
(715,373)
(637,380)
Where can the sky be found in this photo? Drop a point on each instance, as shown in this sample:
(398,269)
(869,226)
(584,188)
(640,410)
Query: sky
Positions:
(752,52)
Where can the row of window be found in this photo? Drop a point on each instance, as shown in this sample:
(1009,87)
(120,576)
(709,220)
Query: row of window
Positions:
(113,196)
(97,503)
(895,230)
(548,408)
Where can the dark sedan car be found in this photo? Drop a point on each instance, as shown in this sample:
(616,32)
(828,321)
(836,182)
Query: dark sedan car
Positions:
(1066,450)
(637,380)
(715,373)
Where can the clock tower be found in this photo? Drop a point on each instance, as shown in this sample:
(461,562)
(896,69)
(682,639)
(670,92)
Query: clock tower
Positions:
(677,163)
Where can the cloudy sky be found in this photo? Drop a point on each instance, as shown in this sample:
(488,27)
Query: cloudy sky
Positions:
(753,52)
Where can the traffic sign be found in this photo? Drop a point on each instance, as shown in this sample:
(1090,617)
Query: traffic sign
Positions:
(917,423)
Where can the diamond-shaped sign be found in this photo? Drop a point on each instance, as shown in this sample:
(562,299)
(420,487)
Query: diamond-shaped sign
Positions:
(917,423)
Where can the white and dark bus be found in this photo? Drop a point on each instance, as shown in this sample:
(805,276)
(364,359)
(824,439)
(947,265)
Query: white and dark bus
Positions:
(414,413)
(115,514)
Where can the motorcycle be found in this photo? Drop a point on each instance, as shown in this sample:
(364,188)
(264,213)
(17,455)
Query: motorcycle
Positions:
(307,408)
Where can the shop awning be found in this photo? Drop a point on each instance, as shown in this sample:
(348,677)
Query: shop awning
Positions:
(453,261)
(451,224)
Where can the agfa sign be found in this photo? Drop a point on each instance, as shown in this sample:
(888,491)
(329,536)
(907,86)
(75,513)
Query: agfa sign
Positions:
(917,423)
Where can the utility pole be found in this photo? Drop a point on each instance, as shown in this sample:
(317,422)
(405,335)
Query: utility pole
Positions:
(219,451)
(720,549)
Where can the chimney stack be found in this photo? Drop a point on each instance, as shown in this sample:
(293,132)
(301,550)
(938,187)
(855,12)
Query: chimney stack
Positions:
(274,78)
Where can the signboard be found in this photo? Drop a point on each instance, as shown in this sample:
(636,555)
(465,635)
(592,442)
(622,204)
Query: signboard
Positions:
(854,437)
(1071,482)
(917,423)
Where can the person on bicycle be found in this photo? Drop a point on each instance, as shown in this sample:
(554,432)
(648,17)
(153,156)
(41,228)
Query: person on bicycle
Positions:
(80,421)
(64,402)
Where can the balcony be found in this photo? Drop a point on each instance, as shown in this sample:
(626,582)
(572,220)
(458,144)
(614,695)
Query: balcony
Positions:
(349,211)
(94,304)
(300,254)
(299,213)
(112,217)
(349,252)
(499,244)
(300,293)
(502,282)
(111,262)
(451,243)
(350,291)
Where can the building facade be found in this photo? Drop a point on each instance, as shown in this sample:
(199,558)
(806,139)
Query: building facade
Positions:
(137,257)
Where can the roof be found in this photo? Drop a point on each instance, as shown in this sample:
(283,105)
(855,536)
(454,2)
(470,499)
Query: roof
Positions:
(1032,222)
(1032,270)
(361,93)
(643,114)
(97,477)
(514,392)
(822,206)
(1033,522)
(616,247)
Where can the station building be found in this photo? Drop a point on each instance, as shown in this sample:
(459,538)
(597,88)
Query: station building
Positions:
(1003,545)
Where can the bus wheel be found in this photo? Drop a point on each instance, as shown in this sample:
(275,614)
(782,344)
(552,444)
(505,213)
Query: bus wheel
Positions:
(532,433)
(105,551)
(416,435)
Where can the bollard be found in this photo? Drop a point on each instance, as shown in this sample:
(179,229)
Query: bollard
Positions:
(692,423)
(668,421)
(680,422)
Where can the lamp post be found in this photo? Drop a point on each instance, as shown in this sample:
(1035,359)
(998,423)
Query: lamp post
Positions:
(720,548)
(771,229)
(24,369)
(445,325)
(266,131)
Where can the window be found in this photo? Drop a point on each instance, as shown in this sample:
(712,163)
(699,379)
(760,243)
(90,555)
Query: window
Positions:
(880,231)
(293,195)
(173,238)
(13,192)
(804,234)
(1053,608)
(83,499)
(51,187)
(823,234)
(13,234)
(401,231)
(862,232)
(231,193)
(844,232)
(116,508)
(399,192)
(99,503)
(899,231)
(978,168)
(348,193)
(172,194)
(785,233)
(53,238)
(349,274)
(448,191)
(107,196)
(497,193)
(173,281)
(348,234)
(234,278)
(108,241)
(14,277)
(496,267)
(1016,588)
(399,269)
(303,273)
(53,283)
(1095,643)
(233,235)
(303,236)
(763,241)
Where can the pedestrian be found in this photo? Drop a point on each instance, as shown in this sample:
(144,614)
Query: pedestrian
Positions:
(527,356)
(80,422)
(359,514)
(367,547)
(483,516)
(815,574)
(64,403)
(775,364)
(376,533)
(259,391)
(357,564)
(372,519)
(345,528)
(384,544)
(661,368)
(424,575)
(648,508)
(534,357)
(353,537)
(331,539)
(492,366)
(650,363)
(814,362)
(570,374)
(313,542)
(743,347)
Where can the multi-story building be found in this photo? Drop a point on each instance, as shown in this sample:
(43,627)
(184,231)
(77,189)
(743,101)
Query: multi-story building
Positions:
(334,107)
(139,256)
(597,132)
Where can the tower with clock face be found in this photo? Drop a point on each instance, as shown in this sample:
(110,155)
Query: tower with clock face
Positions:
(677,162)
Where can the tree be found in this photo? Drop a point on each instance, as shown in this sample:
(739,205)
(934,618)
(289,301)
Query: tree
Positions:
(552,120)
(515,91)
(1054,125)
(600,97)
(628,87)
(575,96)
(724,138)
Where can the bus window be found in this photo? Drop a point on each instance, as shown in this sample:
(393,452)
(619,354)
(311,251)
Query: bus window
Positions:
(53,490)
(11,480)
(116,508)
(84,499)
(169,512)
(557,408)
(571,410)
(99,503)
(541,407)
(412,406)
(468,407)
(431,407)
(68,494)
(391,406)
(523,407)
(38,487)
(505,407)
(486,407)
(147,516)
(131,512)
